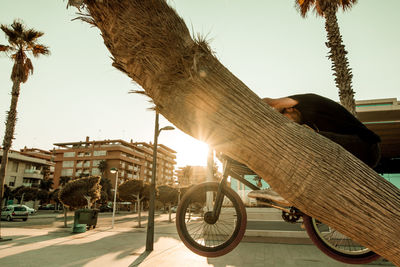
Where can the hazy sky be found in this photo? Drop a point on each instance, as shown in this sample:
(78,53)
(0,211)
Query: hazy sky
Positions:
(76,92)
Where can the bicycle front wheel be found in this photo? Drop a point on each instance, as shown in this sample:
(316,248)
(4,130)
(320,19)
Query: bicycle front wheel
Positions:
(205,236)
(336,245)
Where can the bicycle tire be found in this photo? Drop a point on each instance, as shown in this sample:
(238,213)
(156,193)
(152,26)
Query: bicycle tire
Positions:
(205,239)
(332,243)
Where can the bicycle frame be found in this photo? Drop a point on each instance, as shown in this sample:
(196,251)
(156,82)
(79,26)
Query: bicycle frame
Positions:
(229,170)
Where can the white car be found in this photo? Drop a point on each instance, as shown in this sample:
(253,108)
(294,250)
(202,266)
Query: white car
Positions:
(11,213)
(30,210)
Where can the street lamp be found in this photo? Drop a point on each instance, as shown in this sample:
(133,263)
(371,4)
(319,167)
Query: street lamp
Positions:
(114,170)
(150,222)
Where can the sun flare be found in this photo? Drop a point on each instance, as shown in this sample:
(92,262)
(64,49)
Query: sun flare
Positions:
(190,151)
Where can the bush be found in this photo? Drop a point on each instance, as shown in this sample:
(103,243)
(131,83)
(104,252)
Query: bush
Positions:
(74,192)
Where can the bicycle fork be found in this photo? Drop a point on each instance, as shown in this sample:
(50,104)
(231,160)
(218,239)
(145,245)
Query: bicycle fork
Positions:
(213,216)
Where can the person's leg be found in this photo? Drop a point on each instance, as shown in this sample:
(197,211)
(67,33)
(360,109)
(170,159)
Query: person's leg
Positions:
(368,153)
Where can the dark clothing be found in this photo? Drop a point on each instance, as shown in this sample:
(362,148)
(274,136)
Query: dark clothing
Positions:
(333,121)
(370,154)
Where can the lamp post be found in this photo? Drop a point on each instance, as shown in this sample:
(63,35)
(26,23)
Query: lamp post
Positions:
(114,170)
(150,223)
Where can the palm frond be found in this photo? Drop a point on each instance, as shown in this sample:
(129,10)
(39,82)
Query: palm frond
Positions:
(140,92)
(18,27)
(150,100)
(303,6)
(28,69)
(31,35)
(11,35)
(86,18)
(347,4)
(39,49)
(6,48)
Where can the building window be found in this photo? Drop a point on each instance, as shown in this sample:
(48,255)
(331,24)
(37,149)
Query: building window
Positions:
(68,164)
(99,153)
(69,154)
(86,164)
(95,171)
(66,172)
(96,163)
(81,154)
(12,180)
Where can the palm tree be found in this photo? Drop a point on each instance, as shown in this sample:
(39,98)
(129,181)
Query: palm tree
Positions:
(195,92)
(102,167)
(337,51)
(21,42)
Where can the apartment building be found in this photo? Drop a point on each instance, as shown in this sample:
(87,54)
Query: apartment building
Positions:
(133,160)
(24,169)
(46,155)
(165,162)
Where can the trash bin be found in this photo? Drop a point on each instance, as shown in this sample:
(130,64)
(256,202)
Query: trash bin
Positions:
(78,228)
(87,217)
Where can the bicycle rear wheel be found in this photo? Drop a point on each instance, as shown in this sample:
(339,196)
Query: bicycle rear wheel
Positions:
(206,237)
(336,245)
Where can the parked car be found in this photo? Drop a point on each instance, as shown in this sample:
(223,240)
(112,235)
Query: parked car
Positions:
(30,210)
(105,208)
(47,207)
(174,208)
(10,213)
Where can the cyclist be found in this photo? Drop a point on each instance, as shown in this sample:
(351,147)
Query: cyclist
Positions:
(331,120)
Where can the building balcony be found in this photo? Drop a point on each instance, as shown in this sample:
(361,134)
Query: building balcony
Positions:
(35,174)
(32,171)
(31,184)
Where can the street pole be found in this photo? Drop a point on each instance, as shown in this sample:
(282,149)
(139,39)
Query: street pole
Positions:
(114,170)
(150,220)
(150,223)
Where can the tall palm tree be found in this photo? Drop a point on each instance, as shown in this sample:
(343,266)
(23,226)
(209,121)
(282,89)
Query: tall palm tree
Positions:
(195,92)
(337,51)
(22,42)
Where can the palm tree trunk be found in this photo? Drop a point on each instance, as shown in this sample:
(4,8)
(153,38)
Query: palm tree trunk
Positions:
(139,201)
(340,64)
(65,216)
(8,137)
(195,92)
(169,212)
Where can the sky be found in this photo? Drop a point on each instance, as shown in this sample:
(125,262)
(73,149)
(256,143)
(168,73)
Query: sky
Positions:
(75,92)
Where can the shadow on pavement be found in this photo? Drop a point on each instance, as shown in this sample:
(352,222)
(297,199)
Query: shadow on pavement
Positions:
(97,248)
(140,259)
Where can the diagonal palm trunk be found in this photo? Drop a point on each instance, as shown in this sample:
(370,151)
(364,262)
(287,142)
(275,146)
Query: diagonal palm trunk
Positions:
(193,90)
(340,64)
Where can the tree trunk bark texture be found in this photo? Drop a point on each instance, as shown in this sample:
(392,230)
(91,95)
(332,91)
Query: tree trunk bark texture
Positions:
(195,92)
(65,216)
(8,137)
(340,64)
(169,212)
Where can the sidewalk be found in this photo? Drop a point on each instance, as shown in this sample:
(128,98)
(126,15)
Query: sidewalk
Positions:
(126,247)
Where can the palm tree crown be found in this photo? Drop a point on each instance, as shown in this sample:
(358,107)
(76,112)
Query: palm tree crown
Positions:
(22,40)
(320,5)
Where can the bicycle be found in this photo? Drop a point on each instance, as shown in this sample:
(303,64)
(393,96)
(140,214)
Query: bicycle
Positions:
(211,221)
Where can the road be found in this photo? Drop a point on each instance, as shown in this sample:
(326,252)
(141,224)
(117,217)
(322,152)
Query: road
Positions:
(50,219)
